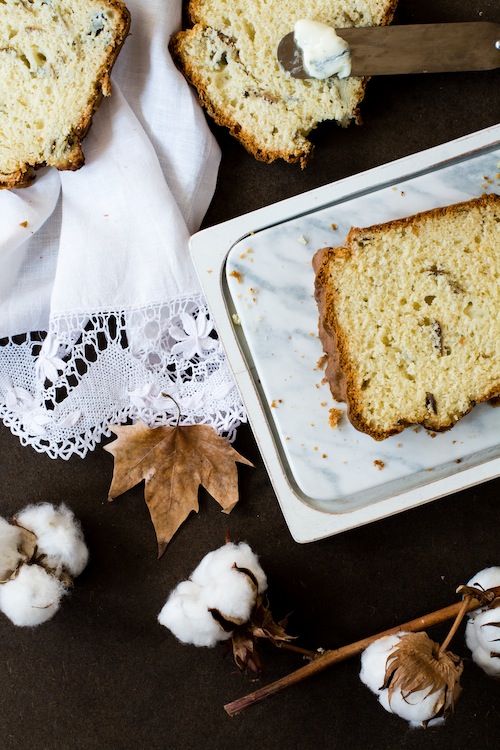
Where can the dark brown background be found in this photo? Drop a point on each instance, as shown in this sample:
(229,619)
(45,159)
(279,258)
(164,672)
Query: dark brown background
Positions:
(104,674)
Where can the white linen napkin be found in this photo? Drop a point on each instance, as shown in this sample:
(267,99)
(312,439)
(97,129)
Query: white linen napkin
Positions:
(101,313)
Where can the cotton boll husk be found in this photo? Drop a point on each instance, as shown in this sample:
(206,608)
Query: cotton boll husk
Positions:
(186,615)
(10,539)
(232,594)
(32,597)
(59,536)
(486,578)
(222,559)
(374,661)
(415,708)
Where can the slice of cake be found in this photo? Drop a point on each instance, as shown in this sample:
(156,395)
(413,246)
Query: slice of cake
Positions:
(229,55)
(410,317)
(55,60)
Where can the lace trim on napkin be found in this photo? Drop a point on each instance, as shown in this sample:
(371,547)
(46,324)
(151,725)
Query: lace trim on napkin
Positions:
(60,391)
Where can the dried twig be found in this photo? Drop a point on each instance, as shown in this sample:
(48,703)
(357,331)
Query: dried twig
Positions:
(335,656)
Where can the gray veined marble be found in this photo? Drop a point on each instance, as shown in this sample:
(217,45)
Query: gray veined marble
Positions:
(271,284)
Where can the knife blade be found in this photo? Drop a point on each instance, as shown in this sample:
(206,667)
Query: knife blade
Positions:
(415,48)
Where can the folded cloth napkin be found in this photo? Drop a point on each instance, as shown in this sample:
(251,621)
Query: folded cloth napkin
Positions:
(102,317)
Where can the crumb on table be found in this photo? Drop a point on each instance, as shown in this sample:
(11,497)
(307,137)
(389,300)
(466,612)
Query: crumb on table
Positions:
(379,464)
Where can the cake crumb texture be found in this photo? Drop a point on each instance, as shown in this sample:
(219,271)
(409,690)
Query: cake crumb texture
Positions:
(229,55)
(55,61)
(410,317)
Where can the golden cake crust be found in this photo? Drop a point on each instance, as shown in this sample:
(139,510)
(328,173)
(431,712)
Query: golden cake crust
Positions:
(69,154)
(408,367)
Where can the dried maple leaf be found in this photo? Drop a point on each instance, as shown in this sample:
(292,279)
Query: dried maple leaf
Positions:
(417,663)
(174,462)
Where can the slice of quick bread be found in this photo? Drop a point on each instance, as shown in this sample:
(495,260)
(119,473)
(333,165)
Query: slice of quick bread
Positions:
(410,317)
(55,60)
(229,55)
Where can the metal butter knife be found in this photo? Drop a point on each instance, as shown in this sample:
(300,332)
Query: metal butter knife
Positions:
(416,48)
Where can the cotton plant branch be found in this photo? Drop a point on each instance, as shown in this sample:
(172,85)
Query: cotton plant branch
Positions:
(473,598)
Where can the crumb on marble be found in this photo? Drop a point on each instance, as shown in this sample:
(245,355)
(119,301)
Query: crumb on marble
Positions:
(334,416)
(320,364)
(275,402)
(334,227)
(303,240)
(236,275)
(23,224)
(379,464)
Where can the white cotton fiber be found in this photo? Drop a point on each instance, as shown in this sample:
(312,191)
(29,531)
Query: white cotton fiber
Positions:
(486,579)
(374,660)
(232,594)
(59,536)
(222,559)
(187,616)
(10,539)
(482,633)
(32,597)
(416,708)
(218,586)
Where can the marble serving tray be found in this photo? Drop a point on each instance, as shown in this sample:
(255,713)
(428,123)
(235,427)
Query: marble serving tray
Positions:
(257,275)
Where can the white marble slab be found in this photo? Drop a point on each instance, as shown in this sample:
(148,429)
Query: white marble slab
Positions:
(325,481)
(271,284)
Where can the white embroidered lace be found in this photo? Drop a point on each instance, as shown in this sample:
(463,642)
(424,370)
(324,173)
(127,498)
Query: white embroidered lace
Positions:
(158,364)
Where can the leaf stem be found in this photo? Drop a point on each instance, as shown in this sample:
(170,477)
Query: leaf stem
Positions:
(323,661)
(167,395)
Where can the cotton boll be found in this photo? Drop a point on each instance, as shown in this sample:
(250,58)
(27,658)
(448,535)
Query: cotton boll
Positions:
(186,614)
(59,536)
(482,633)
(482,636)
(224,558)
(374,661)
(419,707)
(233,594)
(10,539)
(32,597)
